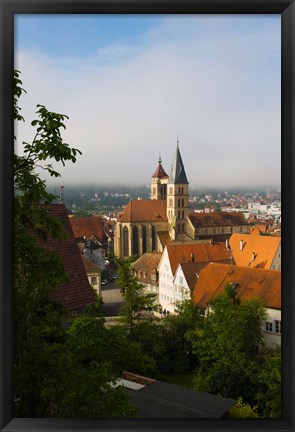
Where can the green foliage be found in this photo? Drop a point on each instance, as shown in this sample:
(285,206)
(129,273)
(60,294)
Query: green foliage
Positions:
(57,373)
(269,379)
(92,341)
(242,410)
(135,299)
(95,309)
(179,356)
(228,348)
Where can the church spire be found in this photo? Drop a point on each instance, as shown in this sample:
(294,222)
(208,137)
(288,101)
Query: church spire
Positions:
(177,173)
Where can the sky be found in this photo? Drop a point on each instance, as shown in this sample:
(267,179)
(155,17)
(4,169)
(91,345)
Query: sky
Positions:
(132,84)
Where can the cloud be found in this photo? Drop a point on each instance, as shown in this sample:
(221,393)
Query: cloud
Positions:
(215,86)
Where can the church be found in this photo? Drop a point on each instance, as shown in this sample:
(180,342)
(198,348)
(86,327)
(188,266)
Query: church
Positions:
(147,225)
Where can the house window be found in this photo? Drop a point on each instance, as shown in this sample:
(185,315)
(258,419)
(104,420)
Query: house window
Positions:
(93,280)
(278,327)
(268,326)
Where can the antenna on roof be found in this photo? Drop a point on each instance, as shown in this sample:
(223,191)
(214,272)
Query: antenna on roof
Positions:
(177,140)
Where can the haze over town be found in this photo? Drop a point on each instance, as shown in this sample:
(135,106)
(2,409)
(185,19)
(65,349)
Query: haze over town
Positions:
(131,84)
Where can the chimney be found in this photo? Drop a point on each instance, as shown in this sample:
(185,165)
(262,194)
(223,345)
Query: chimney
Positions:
(193,257)
(253,256)
(241,245)
(227,244)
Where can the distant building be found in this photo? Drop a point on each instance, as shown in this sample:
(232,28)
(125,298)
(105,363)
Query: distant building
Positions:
(217,225)
(147,225)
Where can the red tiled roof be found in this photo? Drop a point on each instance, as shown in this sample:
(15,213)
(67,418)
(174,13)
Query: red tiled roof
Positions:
(148,262)
(88,227)
(199,252)
(263,247)
(252,283)
(217,219)
(160,173)
(75,293)
(145,211)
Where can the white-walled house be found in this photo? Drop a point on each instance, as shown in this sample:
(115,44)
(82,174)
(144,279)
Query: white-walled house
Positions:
(93,274)
(198,252)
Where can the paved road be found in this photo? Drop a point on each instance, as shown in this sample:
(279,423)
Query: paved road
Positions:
(112,299)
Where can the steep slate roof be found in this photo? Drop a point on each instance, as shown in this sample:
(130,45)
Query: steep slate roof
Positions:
(253,283)
(145,211)
(76,293)
(88,227)
(264,247)
(202,253)
(217,219)
(177,174)
(148,262)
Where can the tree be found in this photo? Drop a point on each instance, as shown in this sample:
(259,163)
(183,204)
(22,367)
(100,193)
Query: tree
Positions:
(179,354)
(37,272)
(135,299)
(51,379)
(228,347)
(269,380)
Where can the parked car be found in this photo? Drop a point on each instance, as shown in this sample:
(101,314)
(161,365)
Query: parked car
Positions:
(104,282)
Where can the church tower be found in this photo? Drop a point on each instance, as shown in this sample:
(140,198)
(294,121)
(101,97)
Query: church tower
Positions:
(159,182)
(177,199)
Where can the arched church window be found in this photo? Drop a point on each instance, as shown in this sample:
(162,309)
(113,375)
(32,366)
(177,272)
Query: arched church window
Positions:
(182,202)
(182,214)
(178,203)
(143,239)
(135,240)
(153,238)
(125,241)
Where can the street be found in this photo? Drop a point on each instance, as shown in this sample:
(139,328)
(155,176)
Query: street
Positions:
(112,299)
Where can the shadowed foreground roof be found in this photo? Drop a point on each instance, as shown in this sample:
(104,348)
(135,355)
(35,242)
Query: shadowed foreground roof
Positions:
(145,211)
(252,283)
(76,293)
(165,400)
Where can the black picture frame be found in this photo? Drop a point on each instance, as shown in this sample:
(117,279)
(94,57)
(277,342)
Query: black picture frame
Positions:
(286,8)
